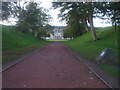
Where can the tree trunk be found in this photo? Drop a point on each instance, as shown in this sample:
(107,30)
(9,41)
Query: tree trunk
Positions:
(116,38)
(91,24)
(86,26)
(35,33)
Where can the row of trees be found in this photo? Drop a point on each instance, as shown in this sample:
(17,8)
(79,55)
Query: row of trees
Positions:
(79,14)
(31,18)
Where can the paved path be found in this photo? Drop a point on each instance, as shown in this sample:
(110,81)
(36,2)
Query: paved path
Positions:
(52,67)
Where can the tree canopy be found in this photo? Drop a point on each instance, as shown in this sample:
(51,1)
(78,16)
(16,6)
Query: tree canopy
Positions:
(30,15)
(84,12)
(78,15)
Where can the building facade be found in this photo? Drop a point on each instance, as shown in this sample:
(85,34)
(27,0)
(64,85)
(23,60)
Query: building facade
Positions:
(57,33)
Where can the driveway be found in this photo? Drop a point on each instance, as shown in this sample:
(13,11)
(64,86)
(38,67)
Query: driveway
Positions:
(52,67)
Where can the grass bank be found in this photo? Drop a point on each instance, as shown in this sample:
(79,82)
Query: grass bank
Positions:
(85,46)
(16,44)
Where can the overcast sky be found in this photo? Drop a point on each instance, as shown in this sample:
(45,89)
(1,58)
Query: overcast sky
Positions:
(56,21)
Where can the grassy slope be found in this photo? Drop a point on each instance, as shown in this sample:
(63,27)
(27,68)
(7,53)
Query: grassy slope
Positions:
(85,46)
(16,44)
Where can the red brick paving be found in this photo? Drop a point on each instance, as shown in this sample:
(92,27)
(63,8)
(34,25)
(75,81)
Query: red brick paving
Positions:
(51,67)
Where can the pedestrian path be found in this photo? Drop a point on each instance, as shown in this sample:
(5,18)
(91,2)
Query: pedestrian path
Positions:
(52,67)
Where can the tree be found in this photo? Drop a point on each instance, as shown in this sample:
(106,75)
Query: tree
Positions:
(86,11)
(91,12)
(30,15)
(114,14)
(23,27)
(78,12)
(45,31)
(6,10)
(9,10)
(68,32)
(71,16)
(101,9)
(112,11)
(33,16)
(42,32)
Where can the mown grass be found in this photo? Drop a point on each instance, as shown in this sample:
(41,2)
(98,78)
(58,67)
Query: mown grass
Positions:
(57,40)
(85,46)
(112,70)
(16,44)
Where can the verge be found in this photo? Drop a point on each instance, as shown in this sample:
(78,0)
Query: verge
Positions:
(16,61)
(107,79)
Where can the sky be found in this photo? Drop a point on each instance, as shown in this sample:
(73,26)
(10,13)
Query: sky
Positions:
(56,21)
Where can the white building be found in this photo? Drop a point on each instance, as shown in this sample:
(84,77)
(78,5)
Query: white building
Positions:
(57,33)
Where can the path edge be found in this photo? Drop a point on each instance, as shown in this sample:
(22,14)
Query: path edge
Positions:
(18,60)
(109,81)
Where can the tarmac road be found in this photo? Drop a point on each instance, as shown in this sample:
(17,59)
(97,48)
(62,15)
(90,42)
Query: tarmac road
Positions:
(52,67)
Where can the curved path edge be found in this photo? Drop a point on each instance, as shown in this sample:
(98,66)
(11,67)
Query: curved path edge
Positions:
(107,79)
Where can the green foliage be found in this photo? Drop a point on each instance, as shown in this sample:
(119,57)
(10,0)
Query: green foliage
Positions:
(30,15)
(23,27)
(31,18)
(111,70)
(68,32)
(84,12)
(13,39)
(42,32)
(77,15)
(73,17)
(45,31)
(6,10)
(15,43)
(75,29)
(114,12)
(90,50)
